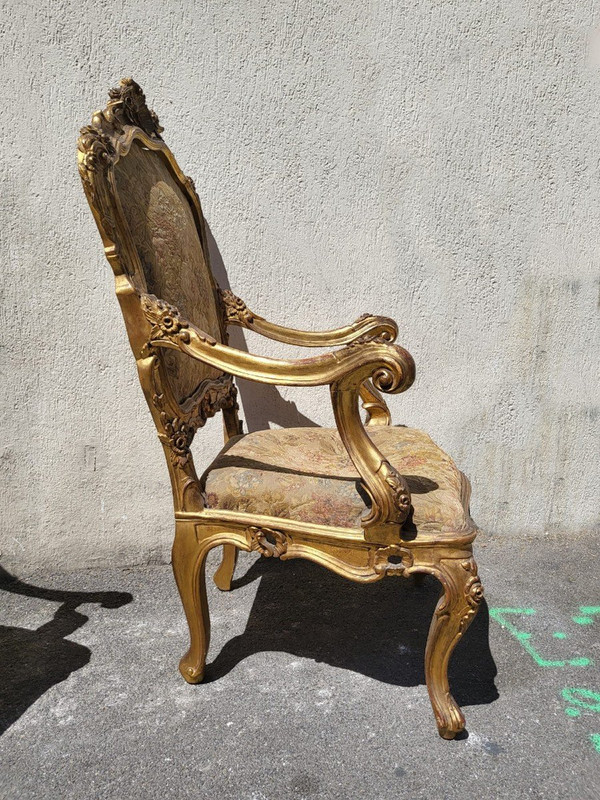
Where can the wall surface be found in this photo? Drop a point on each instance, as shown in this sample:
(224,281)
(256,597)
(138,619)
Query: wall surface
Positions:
(434,161)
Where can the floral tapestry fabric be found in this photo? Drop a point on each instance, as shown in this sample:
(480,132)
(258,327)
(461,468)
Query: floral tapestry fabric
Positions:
(305,474)
(165,233)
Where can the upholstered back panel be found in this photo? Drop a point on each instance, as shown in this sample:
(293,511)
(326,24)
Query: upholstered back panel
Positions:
(167,238)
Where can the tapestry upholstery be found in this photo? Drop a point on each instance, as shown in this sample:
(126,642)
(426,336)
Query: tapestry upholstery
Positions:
(305,474)
(165,234)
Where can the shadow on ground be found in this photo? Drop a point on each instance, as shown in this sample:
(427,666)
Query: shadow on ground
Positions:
(377,629)
(32,661)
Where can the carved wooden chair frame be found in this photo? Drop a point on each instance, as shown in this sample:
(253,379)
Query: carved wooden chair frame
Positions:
(365,363)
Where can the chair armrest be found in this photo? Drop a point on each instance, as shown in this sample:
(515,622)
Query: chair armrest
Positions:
(369,325)
(388,367)
(366,327)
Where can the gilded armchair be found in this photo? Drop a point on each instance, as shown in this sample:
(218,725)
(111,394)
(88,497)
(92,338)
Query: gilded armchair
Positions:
(367,500)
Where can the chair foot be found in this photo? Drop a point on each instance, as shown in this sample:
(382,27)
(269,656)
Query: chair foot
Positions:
(450,720)
(191,670)
(189,559)
(456,609)
(224,574)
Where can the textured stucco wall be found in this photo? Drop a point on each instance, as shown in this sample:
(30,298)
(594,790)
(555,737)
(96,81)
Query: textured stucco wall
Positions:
(434,161)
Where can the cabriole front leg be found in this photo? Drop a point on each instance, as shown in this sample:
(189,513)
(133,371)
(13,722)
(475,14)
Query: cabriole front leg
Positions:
(456,609)
(189,559)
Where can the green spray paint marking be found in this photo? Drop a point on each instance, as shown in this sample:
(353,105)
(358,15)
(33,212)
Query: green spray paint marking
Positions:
(587,615)
(499,614)
(583,698)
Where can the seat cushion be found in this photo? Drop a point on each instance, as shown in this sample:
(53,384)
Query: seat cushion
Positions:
(305,474)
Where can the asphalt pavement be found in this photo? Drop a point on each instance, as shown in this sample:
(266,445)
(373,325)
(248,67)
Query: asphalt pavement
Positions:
(314,686)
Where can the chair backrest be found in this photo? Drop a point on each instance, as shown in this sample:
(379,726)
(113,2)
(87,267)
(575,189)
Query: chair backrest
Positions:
(151,223)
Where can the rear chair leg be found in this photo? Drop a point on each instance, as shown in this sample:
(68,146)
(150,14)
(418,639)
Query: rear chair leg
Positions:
(189,558)
(224,574)
(454,612)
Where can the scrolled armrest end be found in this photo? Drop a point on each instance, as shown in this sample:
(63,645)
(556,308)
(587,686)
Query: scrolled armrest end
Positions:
(398,378)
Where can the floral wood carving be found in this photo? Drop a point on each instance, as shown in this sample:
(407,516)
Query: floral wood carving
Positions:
(167,322)
(401,498)
(213,395)
(97,149)
(236,311)
(128,106)
(177,434)
(268,542)
(96,153)
(473,592)
(165,319)
(216,396)
(382,564)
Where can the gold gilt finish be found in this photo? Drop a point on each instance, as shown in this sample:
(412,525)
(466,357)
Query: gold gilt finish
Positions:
(365,363)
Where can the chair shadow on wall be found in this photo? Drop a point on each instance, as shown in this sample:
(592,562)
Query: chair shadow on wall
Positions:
(378,629)
(262,403)
(32,661)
